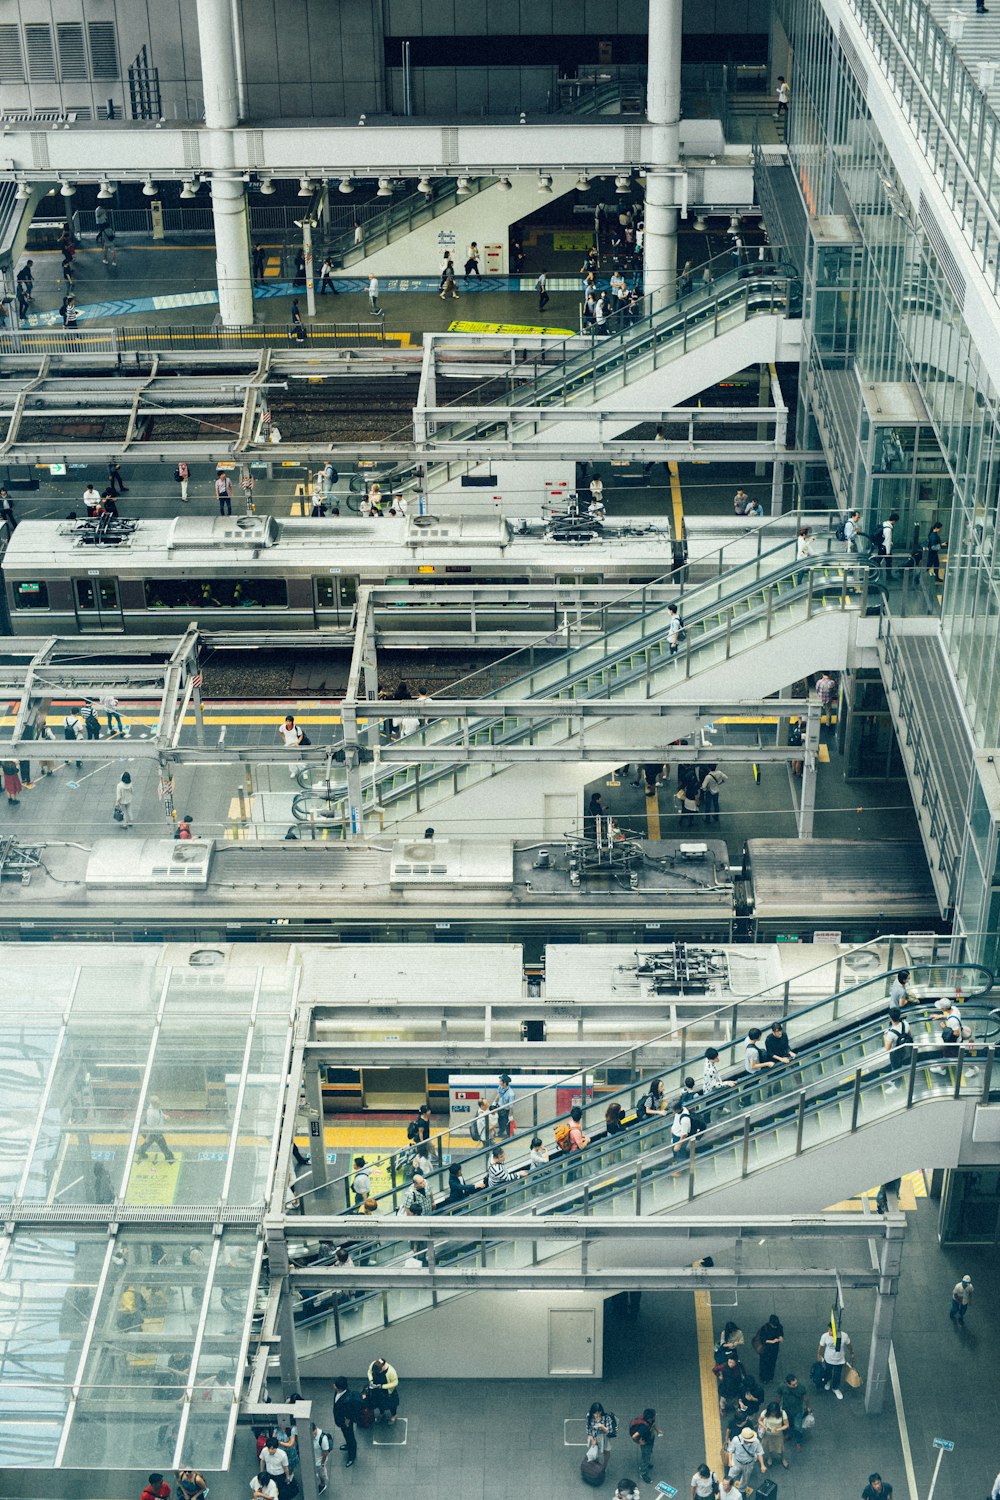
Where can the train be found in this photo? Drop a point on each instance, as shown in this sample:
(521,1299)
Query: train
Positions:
(258,572)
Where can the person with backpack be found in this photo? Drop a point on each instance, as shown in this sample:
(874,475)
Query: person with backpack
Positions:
(643,1431)
(704,1483)
(711,784)
(898,1041)
(419,1129)
(681,1128)
(322,1448)
(480,1127)
(347,1408)
(72,725)
(674,627)
(361,1184)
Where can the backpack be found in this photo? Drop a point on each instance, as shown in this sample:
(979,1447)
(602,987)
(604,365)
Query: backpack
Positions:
(841,531)
(413,1130)
(638,1429)
(561,1134)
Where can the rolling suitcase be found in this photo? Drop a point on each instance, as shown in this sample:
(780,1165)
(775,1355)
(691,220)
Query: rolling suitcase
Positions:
(592,1473)
(767,1490)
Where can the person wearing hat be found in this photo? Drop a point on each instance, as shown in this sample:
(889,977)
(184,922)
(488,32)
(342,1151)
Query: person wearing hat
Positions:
(744,1451)
(961,1297)
(503,1104)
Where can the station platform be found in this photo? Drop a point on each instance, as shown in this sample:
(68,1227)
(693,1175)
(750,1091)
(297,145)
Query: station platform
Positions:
(531,1445)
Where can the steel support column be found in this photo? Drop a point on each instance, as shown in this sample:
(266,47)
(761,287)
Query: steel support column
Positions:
(229,205)
(890,1261)
(317,1143)
(663,110)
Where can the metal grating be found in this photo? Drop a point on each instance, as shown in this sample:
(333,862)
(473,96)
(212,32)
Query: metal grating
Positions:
(943,251)
(449,146)
(854,60)
(633,143)
(39,148)
(11,61)
(25,1211)
(191,146)
(41,57)
(72,57)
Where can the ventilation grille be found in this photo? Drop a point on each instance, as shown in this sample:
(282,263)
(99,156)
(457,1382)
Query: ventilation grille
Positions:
(943,251)
(41,58)
(72,57)
(449,147)
(103,49)
(633,143)
(854,60)
(11,61)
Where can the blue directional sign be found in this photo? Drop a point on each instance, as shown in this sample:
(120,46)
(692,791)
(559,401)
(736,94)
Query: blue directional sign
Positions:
(666,1489)
(944,1443)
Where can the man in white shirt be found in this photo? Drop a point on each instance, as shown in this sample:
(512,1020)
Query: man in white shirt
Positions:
(832,1354)
(153,1124)
(961,1300)
(91,497)
(291,737)
(373,294)
(263,1488)
(274,1464)
(745,1451)
(851,531)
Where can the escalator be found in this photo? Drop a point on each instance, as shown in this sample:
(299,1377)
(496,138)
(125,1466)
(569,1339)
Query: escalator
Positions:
(840,1089)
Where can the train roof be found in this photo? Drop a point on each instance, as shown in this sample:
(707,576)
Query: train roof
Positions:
(346,541)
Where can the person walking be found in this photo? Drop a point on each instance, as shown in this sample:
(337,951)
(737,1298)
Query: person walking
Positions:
(383,1388)
(292,739)
(472,262)
(183,475)
(345,1403)
(936,544)
(710,785)
(123,800)
(852,527)
(542,288)
(885,541)
(275,1464)
(448,282)
(326,278)
(109,703)
(768,1341)
(961,1300)
(106,239)
(782,96)
(745,1450)
(72,726)
(704,1483)
(115,480)
(153,1125)
(26,283)
(43,732)
(184,828)
(826,692)
(981,9)
(298,330)
(224,494)
(772,1428)
(832,1355)
(12,782)
(373,295)
(599,1433)
(643,1431)
(262,1487)
(876,1489)
(795,1402)
(322,1448)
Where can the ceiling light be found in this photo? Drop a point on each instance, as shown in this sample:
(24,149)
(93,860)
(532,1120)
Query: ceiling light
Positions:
(504,184)
(463,189)
(544,183)
(306,188)
(622,183)
(149,188)
(699,224)
(424,185)
(384,188)
(582,183)
(266,186)
(346,185)
(106,189)
(23,192)
(67,188)
(190,189)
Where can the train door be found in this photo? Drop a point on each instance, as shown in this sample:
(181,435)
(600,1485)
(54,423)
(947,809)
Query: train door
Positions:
(98,604)
(335,599)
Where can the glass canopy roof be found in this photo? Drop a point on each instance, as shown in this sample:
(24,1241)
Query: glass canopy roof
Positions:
(139,1114)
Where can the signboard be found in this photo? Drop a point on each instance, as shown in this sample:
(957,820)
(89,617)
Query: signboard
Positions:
(944,1443)
(494,259)
(831,936)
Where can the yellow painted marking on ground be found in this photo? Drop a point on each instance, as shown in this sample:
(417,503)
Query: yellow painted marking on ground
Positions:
(653,816)
(466,327)
(911,1188)
(676,501)
(153,1186)
(272,267)
(711,1421)
(6,721)
(303,488)
(823,755)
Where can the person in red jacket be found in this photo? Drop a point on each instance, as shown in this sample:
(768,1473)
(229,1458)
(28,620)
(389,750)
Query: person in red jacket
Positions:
(156,1489)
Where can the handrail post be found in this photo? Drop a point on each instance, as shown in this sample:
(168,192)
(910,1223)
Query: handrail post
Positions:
(746,1146)
(800,1122)
(856,1101)
(691,1148)
(638,1186)
(910,1082)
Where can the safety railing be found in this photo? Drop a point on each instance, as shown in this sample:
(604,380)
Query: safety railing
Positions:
(718,1028)
(744,607)
(832,1089)
(136,337)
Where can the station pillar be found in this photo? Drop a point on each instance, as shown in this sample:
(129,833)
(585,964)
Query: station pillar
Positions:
(230,216)
(663,111)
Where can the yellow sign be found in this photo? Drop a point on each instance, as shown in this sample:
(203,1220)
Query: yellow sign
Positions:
(463,327)
(572,239)
(153,1184)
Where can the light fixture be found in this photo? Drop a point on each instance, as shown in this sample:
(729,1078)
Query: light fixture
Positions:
(622,183)
(190,188)
(463,189)
(106,189)
(699,224)
(67,188)
(266,186)
(523,118)
(149,188)
(582,183)
(346,185)
(424,185)
(306,188)
(362,119)
(544,183)
(384,188)
(505,184)
(23,192)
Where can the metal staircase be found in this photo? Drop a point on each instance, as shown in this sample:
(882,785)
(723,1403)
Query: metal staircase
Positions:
(401,217)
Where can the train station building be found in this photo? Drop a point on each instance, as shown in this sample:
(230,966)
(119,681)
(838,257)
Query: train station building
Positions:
(501,621)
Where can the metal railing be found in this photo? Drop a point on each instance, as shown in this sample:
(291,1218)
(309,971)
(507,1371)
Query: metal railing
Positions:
(397,219)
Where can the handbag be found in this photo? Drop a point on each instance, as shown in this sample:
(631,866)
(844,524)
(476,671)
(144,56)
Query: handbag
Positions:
(177,475)
(853,1378)
(809,1421)
(118,815)
(757,1345)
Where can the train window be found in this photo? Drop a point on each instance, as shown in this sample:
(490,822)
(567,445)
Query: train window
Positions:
(97,593)
(579,578)
(30,595)
(335,592)
(216,593)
